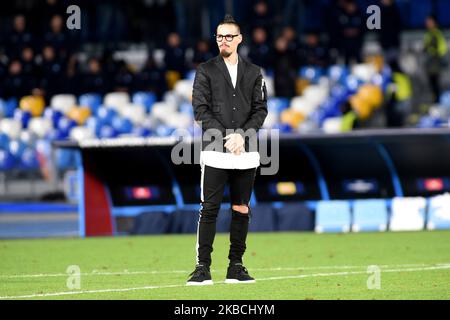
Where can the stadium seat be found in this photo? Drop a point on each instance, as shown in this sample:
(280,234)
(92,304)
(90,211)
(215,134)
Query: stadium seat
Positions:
(91,100)
(332,125)
(146,99)
(439,212)
(23,116)
(333,216)
(364,71)
(369,215)
(7,160)
(116,100)
(337,73)
(4,140)
(294,217)
(276,104)
(122,125)
(134,112)
(81,133)
(29,160)
(63,102)
(79,114)
(184,89)
(407,214)
(7,107)
(53,115)
(316,94)
(304,105)
(33,104)
(40,126)
(106,115)
(311,73)
(11,127)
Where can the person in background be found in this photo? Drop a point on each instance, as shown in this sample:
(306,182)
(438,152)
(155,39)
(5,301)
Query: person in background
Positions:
(19,37)
(435,49)
(260,51)
(175,58)
(151,78)
(391,27)
(57,38)
(17,84)
(399,93)
(285,71)
(51,72)
(202,53)
(94,79)
(314,52)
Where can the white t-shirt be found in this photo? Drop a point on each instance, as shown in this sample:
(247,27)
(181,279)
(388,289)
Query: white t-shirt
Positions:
(245,160)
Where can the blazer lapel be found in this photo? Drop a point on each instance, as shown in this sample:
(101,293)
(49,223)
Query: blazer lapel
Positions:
(223,68)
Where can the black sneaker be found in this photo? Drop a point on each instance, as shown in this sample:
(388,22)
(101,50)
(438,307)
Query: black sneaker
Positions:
(237,273)
(200,277)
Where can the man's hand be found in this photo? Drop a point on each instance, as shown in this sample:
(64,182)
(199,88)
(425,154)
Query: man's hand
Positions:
(235,143)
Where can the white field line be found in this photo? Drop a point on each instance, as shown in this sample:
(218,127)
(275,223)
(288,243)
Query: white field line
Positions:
(345,273)
(126,272)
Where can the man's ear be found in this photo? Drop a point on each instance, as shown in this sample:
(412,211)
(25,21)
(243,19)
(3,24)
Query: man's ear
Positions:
(240,38)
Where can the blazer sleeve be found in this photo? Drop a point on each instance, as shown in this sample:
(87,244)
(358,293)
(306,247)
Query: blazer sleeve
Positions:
(259,105)
(201,102)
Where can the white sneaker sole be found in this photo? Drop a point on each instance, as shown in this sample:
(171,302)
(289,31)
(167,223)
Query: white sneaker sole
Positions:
(233,281)
(203,283)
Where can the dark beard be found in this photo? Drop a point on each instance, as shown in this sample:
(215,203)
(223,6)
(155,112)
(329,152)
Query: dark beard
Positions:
(225,54)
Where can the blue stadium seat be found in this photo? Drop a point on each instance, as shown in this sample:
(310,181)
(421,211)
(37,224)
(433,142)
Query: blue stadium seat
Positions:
(333,216)
(311,73)
(147,99)
(275,104)
(439,212)
(7,108)
(91,100)
(369,215)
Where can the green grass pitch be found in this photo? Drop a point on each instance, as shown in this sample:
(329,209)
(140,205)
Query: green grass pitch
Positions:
(413,265)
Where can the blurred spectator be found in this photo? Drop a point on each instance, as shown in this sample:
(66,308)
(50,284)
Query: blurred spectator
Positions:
(285,73)
(124,79)
(73,78)
(294,44)
(57,38)
(391,26)
(111,22)
(262,16)
(313,51)
(29,65)
(19,37)
(52,72)
(174,58)
(94,79)
(151,78)
(17,84)
(202,53)
(294,12)
(347,30)
(435,48)
(260,50)
(399,93)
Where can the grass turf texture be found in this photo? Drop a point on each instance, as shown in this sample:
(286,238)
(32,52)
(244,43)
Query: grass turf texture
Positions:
(312,266)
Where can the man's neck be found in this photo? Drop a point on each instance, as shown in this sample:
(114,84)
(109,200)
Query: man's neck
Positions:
(232,59)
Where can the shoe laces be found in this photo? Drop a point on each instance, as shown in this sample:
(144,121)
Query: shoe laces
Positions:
(241,269)
(199,270)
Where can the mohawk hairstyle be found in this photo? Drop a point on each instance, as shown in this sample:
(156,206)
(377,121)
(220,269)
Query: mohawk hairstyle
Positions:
(228,19)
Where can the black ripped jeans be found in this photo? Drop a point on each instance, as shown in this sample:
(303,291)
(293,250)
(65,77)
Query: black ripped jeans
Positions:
(213,183)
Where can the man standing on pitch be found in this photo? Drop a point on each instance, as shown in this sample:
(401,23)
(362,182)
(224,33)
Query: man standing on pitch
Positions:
(230,104)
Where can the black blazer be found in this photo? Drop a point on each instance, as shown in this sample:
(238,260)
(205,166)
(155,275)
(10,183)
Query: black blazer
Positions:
(218,105)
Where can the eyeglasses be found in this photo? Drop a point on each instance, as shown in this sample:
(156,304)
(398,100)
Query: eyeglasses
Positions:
(228,37)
